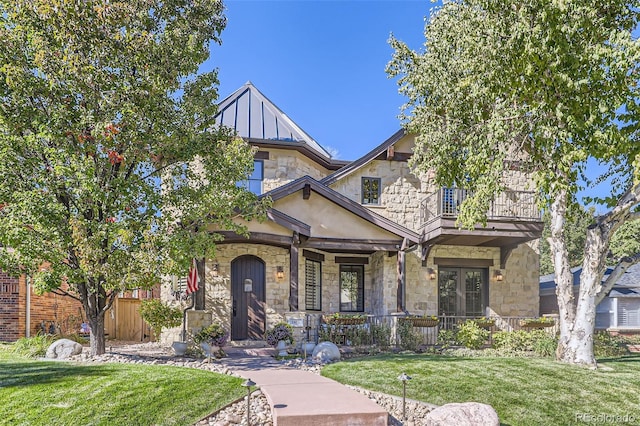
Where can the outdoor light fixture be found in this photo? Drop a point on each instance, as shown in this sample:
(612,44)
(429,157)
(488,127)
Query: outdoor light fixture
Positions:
(248,383)
(498,275)
(431,273)
(404,379)
(216,269)
(280,272)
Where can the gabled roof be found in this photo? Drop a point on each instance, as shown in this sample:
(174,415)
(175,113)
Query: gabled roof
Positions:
(346,203)
(253,116)
(355,165)
(627,285)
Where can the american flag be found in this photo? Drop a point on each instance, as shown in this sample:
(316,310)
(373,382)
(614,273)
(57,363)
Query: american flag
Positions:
(192,278)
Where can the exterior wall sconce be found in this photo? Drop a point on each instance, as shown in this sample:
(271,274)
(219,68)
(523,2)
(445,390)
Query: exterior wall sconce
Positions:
(280,273)
(431,273)
(216,269)
(498,275)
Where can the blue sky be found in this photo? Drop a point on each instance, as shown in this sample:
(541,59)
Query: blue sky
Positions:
(322,62)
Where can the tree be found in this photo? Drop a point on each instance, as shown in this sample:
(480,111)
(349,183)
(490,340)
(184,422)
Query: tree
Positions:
(626,241)
(578,220)
(111,167)
(549,84)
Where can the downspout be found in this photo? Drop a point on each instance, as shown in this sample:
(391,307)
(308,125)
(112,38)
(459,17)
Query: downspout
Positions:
(28,309)
(184,317)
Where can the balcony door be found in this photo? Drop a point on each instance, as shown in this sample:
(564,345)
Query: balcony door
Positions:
(462,291)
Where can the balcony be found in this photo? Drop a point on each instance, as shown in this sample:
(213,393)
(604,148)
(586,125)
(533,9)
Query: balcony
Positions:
(513,218)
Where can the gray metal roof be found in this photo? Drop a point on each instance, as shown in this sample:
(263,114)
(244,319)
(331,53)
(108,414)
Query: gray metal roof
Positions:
(254,116)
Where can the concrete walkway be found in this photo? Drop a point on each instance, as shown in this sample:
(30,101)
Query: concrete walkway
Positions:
(300,397)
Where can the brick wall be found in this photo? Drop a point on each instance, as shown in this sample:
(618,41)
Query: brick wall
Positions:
(62,311)
(9,308)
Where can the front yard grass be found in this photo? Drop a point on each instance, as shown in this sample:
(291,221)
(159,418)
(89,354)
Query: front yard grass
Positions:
(523,391)
(60,393)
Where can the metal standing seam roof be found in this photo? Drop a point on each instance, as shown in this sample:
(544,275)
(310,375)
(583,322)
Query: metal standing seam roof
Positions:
(252,115)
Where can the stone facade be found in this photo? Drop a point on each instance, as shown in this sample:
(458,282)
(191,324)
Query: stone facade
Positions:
(284,166)
(402,199)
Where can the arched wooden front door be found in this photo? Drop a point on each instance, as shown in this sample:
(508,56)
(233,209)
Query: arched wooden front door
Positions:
(248,298)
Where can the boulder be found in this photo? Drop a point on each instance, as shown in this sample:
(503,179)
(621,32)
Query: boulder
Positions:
(63,349)
(463,414)
(326,352)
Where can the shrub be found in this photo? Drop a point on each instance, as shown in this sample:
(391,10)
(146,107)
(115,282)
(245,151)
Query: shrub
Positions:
(381,335)
(606,345)
(537,341)
(471,335)
(544,344)
(409,338)
(513,341)
(214,334)
(33,347)
(280,331)
(159,315)
(447,338)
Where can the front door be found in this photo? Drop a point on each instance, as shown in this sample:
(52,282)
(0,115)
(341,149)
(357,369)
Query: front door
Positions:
(248,294)
(462,291)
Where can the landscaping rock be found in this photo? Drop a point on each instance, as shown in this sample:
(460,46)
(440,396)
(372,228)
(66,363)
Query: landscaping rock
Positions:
(63,349)
(326,352)
(463,414)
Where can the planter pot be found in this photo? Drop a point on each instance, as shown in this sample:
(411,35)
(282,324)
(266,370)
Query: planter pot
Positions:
(180,348)
(485,324)
(343,321)
(207,349)
(419,322)
(282,348)
(535,324)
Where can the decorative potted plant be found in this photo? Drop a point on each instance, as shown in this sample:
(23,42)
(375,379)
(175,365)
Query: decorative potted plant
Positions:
(279,336)
(420,320)
(159,315)
(344,319)
(485,322)
(210,336)
(539,322)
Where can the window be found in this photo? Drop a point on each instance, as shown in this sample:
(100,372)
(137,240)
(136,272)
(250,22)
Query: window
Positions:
(370,190)
(254,181)
(351,288)
(462,291)
(313,285)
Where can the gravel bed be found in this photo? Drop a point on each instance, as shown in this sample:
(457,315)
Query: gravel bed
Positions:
(260,411)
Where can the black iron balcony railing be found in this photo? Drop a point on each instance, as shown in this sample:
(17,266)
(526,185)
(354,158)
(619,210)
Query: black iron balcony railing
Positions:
(509,205)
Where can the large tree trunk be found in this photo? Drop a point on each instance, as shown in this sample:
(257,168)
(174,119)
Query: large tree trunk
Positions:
(96,342)
(564,278)
(576,347)
(95,302)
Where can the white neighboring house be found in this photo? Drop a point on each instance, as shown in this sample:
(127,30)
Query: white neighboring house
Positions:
(618,312)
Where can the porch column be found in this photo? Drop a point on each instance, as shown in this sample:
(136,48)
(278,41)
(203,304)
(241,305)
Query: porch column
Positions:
(199,295)
(401,288)
(293,278)
(400,298)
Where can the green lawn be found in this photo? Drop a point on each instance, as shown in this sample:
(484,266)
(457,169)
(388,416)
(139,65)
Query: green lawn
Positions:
(524,391)
(59,393)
